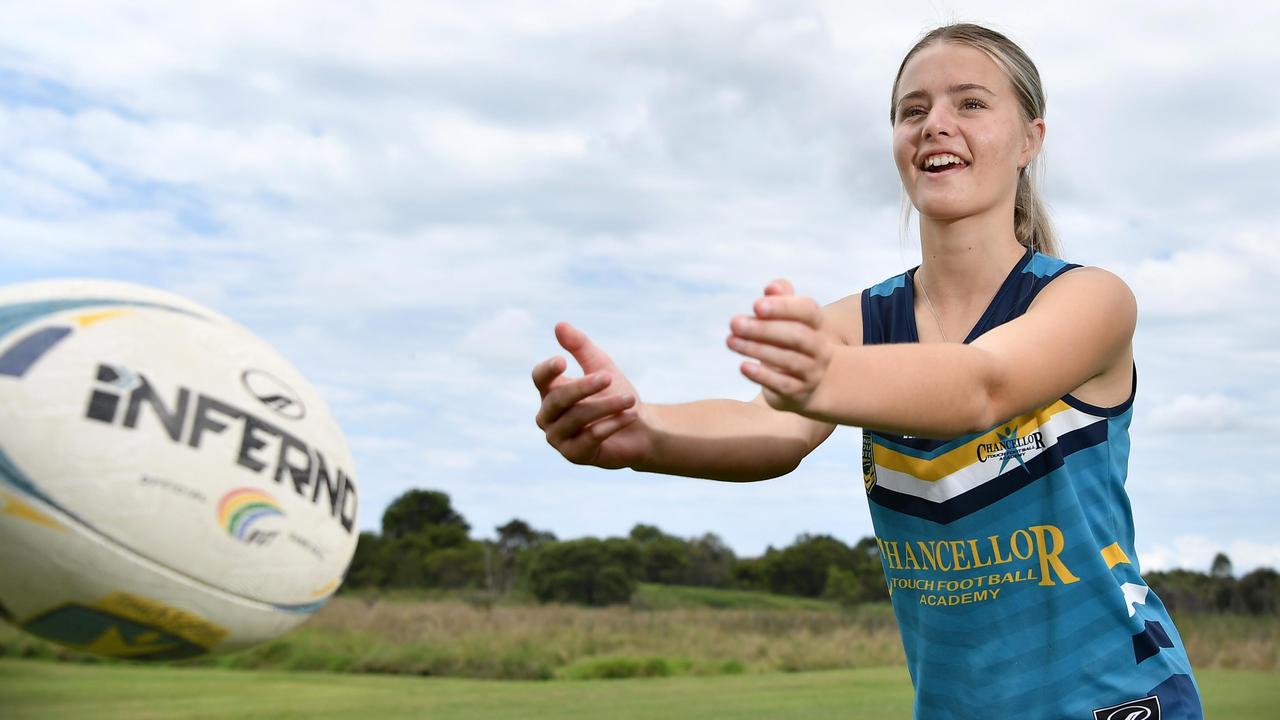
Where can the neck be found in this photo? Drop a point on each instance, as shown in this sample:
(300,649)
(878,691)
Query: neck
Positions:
(965,260)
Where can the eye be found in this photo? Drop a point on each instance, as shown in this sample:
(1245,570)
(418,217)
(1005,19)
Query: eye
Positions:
(972,104)
(912,111)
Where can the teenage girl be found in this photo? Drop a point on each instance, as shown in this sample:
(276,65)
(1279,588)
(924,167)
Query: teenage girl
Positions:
(994,385)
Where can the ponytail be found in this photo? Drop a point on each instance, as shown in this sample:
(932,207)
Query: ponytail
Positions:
(1031,222)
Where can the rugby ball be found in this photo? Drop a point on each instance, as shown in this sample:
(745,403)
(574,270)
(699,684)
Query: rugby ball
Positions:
(170,485)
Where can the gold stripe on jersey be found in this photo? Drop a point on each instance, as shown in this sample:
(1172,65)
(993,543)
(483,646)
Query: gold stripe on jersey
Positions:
(965,455)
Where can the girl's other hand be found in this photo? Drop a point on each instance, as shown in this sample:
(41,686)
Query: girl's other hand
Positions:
(785,336)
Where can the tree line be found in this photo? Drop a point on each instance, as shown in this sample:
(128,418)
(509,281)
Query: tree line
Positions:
(1219,590)
(426,543)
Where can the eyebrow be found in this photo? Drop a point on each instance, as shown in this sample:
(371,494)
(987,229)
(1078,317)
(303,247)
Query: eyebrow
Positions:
(962,87)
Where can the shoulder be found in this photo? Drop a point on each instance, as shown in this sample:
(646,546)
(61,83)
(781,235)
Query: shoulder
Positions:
(1091,306)
(1089,287)
(842,319)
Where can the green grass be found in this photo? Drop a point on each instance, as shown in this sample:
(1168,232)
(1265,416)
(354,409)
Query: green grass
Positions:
(37,689)
(33,689)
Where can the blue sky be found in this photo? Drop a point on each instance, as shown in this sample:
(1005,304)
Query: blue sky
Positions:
(405,198)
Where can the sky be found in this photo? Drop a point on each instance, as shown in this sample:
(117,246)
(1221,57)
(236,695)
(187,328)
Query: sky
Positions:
(405,198)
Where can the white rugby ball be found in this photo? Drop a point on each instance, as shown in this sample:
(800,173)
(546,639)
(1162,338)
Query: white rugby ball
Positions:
(170,485)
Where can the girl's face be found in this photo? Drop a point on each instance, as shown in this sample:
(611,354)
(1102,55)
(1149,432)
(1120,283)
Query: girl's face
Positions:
(957,108)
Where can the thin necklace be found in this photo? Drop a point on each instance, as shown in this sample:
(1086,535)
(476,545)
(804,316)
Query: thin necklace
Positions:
(935,312)
(932,311)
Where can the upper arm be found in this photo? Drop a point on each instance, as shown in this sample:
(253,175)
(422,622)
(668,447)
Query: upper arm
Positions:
(1079,327)
(842,322)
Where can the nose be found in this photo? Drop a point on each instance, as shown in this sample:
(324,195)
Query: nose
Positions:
(939,122)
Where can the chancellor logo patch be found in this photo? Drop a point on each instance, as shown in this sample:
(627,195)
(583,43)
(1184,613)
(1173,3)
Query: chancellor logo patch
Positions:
(1010,447)
(1148,708)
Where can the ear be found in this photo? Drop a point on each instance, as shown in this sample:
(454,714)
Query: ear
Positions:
(1033,140)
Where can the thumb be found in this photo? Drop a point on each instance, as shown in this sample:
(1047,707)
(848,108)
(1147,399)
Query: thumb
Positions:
(781,286)
(588,354)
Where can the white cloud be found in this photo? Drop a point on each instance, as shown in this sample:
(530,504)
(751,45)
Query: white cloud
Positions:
(1216,279)
(491,152)
(502,339)
(364,444)
(64,170)
(1199,413)
(449,459)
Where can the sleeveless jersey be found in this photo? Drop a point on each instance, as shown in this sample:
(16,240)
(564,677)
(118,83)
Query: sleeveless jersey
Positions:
(1009,554)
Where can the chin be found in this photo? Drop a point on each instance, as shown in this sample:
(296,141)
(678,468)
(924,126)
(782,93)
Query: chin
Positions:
(945,210)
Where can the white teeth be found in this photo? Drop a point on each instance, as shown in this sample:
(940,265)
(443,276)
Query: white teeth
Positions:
(943,159)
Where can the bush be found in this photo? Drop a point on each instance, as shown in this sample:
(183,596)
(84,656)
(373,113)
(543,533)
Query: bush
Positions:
(586,571)
(801,569)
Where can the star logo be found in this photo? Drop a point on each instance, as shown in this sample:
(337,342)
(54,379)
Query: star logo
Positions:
(1009,441)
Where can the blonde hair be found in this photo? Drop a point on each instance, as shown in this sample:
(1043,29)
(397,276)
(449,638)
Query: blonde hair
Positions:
(1031,222)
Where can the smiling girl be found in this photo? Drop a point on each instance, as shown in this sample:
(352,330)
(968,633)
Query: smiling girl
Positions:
(994,384)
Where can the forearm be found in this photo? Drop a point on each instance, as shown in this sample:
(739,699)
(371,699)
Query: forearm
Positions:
(727,440)
(935,390)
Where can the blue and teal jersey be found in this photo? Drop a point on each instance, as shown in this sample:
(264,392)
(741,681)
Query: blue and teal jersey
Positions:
(1009,552)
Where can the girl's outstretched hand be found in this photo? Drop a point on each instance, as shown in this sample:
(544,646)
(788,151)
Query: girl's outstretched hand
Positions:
(784,335)
(597,419)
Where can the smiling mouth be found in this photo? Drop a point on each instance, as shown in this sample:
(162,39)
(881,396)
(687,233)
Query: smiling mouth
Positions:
(944,170)
(942,163)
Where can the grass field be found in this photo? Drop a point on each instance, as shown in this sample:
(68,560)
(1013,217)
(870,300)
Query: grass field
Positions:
(40,689)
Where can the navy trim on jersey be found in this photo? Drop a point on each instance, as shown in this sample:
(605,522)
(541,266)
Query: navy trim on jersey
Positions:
(1110,412)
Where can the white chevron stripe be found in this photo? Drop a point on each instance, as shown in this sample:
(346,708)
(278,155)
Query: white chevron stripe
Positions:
(978,473)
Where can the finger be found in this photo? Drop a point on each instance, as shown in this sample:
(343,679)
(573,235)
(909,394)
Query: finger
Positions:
(774,292)
(567,394)
(784,359)
(790,307)
(587,442)
(780,383)
(781,286)
(787,334)
(545,372)
(588,354)
(571,423)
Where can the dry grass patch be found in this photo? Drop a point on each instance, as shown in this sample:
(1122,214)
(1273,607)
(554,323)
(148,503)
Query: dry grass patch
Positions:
(697,641)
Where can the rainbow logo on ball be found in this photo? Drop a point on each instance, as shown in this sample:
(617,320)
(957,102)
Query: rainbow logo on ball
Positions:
(241,508)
